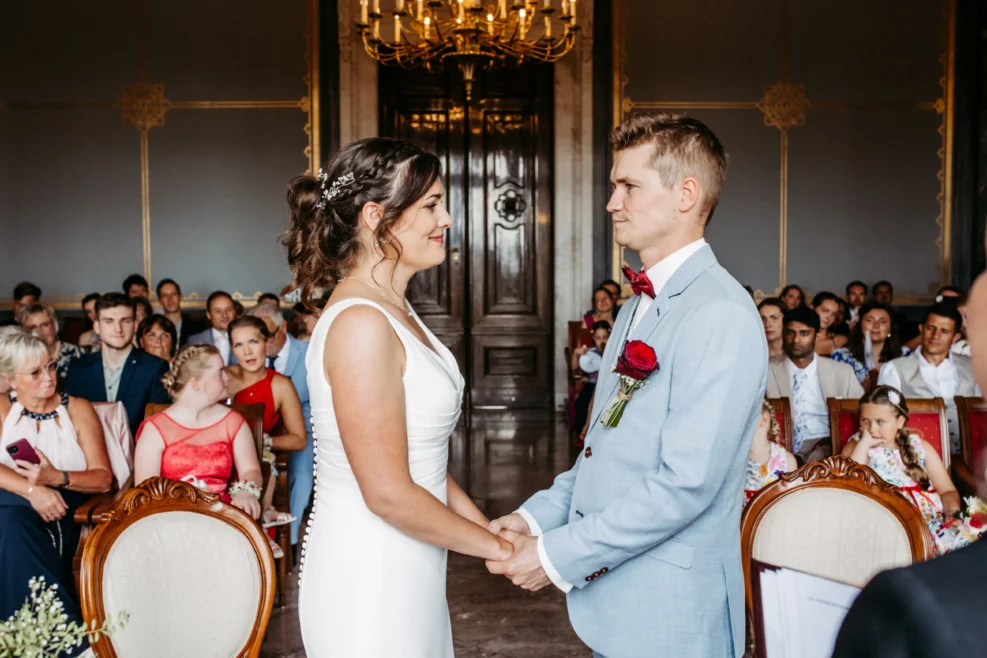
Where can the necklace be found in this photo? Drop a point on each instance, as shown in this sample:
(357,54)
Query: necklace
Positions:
(380,290)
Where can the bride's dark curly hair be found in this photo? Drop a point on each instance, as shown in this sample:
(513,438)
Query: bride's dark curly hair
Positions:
(322,238)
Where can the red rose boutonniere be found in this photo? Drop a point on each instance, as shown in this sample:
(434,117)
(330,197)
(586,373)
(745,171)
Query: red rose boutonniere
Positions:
(634,365)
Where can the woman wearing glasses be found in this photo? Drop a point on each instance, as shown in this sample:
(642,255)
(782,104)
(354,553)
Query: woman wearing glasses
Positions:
(52,456)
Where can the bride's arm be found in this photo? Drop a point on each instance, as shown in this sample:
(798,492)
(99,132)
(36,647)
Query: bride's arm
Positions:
(363,360)
(462,504)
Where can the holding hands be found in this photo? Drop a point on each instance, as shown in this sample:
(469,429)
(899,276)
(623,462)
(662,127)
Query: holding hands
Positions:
(523,566)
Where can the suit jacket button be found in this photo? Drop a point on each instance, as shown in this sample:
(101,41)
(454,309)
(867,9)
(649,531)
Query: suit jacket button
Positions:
(588,453)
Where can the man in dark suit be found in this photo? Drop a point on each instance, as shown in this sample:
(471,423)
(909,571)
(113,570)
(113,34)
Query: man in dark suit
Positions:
(935,608)
(170,298)
(220,311)
(119,372)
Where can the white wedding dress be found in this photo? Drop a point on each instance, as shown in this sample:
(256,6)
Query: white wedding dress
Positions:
(367,590)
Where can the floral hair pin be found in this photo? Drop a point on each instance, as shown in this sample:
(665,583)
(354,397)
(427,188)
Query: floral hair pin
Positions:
(330,193)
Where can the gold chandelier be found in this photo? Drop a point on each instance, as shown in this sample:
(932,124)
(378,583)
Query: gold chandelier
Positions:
(468,33)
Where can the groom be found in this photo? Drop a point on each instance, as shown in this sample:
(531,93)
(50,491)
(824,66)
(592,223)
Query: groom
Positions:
(643,533)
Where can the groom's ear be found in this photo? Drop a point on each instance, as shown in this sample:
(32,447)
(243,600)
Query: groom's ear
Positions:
(689,190)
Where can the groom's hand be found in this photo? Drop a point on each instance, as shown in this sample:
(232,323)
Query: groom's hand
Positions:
(513,522)
(524,568)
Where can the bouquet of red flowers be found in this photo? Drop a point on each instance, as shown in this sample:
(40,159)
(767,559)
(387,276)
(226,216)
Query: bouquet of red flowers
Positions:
(634,365)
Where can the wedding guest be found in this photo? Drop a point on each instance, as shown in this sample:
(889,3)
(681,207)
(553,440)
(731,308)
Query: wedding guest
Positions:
(932,370)
(602,309)
(768,459)
(840,326)
(807,380)
(772,311)
(38,535)
(238,310)
(884,292)
(909,462)
(827,306)
(170,297)
(613,288)
(6,332)
(793,296)
(120,372)
(142,309)
(873,342)
(25,294)
(136,286)
(933,608)
(220,312)
(288,356)
(587,360)
(157,336)
(41,321)
(954,292)
(90,339)
(270,298)
(198,439)
(856,296)
(303,321)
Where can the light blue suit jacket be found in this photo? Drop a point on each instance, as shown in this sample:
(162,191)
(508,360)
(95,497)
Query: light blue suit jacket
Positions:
(646,525)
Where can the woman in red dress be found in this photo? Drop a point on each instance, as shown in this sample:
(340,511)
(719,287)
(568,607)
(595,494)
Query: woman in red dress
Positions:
(198,439)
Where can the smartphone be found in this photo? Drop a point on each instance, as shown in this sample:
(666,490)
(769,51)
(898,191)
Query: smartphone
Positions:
(22,451)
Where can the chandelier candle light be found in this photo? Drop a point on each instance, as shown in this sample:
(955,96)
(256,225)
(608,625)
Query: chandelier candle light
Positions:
(469,33)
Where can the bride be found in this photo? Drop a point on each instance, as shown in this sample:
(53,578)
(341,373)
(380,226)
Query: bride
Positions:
(386,395)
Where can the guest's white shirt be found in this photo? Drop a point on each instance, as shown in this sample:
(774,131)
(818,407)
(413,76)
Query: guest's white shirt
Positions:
(816,411)
(943,380)
(659,274)
(222,342)
(281,360)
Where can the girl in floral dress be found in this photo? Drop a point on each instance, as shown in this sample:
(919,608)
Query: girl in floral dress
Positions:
(767,459)
(907,461)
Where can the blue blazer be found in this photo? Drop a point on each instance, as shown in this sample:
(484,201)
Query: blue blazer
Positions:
(646,525)
(140,383)
(296,370)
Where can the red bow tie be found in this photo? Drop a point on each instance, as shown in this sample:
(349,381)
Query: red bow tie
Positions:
(640,283)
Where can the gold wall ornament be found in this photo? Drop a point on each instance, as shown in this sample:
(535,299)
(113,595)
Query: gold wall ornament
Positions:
(420,34)
(144,105)
(784,105)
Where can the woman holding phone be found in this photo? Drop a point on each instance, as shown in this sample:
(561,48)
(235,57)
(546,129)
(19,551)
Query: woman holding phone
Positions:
(52,455)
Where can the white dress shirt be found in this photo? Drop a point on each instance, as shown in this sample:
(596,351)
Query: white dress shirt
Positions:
(222,342)
(281,360)
(659,274)
(816,411)
(943,379)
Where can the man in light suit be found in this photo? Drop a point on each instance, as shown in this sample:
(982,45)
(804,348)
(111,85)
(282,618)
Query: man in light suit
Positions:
(220,311)
(287,356)
(807,380)
(643,533)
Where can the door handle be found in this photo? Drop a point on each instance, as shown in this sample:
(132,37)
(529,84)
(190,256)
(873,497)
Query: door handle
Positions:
(454,255)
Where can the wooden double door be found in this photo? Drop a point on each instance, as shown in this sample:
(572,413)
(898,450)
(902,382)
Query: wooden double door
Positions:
(491,301)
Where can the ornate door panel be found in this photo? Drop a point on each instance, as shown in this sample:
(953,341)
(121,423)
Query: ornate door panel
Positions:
(490,302)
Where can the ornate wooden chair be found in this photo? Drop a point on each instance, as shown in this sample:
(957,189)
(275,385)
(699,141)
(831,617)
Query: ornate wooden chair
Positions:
(578,335)
(926,416)
(833,518)
(972,414)
(195,576)
(783,414)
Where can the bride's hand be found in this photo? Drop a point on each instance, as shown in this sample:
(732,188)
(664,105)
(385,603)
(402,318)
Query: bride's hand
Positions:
(505,549)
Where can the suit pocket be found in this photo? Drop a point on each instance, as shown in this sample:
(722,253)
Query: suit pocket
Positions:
(673,551)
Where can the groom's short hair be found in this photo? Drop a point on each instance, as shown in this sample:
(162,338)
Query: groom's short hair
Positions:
(683,146)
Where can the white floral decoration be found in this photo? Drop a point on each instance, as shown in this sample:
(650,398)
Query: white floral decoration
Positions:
(894,398)
(330,193)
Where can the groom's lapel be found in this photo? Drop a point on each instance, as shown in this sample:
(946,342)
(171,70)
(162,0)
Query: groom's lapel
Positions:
(607,381)
(668,297)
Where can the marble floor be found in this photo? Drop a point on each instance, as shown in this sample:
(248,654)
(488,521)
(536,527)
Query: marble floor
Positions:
(500,459)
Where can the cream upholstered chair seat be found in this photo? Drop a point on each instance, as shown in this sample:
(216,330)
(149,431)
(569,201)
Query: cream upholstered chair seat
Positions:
(195,576)
(833,518)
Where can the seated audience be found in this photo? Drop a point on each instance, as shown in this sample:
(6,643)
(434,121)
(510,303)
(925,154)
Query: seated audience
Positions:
(41,321)
(6,332)
(856,296)
(587,360)
(772,311)
(289,360)
(142,309)
(956,295)
(119,372)
(932,370)
(768,459)
(793,296)
(873,342)
(38,535)
(270,298)
(613,288)
(840,326)
(220,312)
(238,309)
(303,321)
(136,286)
(157,336)
(827,306)
(170,298)
(90,339)
(25,294)
(198,439)
(603,307)
(807,380)
(907,461)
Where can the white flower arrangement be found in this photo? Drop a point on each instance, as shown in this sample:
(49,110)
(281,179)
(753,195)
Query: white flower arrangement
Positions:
(40,629)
